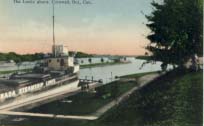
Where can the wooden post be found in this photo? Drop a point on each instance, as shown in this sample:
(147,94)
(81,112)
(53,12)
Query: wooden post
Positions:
(85,78)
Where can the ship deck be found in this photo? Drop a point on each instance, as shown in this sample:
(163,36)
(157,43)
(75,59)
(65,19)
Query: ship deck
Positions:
(16,81)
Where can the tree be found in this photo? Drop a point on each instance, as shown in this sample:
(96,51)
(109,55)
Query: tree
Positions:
(13,56)
(20,58)
(176,31)
(102,60)
(80,54)
(90,60)
(2,57)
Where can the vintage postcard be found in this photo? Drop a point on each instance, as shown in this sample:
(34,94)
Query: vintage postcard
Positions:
(101,62)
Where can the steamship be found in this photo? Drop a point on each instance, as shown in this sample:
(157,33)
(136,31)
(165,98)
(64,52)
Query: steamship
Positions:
(54,77)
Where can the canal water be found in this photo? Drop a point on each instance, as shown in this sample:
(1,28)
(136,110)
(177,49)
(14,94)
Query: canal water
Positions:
(105,73)
(108,73)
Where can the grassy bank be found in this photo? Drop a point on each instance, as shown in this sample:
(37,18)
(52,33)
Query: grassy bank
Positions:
(87,102)
(138,75)
(101,64)
(143,57)
(172,100)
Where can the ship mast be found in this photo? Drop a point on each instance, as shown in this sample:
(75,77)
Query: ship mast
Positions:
(53,26)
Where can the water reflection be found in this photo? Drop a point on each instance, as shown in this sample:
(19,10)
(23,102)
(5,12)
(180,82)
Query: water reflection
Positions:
(108,73)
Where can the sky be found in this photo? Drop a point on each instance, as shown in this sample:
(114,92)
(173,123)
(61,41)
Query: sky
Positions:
(114,27)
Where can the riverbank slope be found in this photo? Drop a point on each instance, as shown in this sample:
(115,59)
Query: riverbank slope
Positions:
(174,99)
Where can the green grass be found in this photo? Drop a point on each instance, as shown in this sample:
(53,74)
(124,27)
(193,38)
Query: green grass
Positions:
(143,57)
(100,64)
(86,102)
(138,75)
(175,99)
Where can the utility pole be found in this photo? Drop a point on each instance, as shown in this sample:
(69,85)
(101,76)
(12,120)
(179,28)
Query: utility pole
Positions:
(53,26)
(111,76)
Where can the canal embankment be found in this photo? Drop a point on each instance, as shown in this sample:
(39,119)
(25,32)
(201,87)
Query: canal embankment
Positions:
(102,64)
(110,97)
(173,99)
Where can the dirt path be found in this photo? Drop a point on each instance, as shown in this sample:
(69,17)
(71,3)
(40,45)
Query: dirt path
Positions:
(144,80)
(48,115)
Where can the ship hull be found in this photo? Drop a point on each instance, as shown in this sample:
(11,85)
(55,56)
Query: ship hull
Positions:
(28,102)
